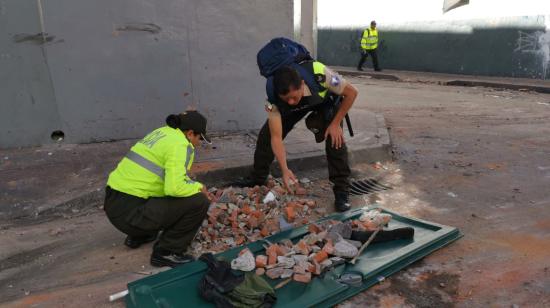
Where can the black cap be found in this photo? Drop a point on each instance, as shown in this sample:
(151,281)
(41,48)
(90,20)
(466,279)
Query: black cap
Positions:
(189,120)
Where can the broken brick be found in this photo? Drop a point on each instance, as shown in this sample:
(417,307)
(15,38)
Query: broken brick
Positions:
(272,252)
(279,190)
(320,256)
(310,203)
(304,278)
(275,273)
(287,272)
(252,222)
(329,247)
(264,232)
(287,243)
(300,191)
(313,228)
(302,248)
(260,271)
(290,214)
(261,261)
(258,214)
(240,240)
(301,268)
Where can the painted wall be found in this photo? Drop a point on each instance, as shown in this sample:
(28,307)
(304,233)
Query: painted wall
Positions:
(480,38)
(108,70)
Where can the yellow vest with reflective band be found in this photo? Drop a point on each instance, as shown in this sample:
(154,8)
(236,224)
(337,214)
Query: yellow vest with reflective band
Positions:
(319,69)
(369,41)
(157,166)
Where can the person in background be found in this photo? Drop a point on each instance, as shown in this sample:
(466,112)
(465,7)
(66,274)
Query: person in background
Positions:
(369,45)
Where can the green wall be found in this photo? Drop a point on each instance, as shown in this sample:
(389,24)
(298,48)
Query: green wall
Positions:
(506,51)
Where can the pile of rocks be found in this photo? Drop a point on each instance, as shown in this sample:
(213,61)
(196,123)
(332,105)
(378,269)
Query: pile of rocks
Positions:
(241,215)
(326,245)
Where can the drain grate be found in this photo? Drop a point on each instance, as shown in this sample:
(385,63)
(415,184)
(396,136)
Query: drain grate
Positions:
(367,186)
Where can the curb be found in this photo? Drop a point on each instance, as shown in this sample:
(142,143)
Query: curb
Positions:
(381,76)
(498,85)
(456,82)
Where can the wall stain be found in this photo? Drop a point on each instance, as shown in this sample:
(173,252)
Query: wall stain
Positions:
(143,27)
(39,38)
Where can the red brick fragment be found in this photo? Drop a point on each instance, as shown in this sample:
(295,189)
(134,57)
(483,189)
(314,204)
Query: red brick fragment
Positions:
(290,214)
(239,240)
(320,256)
(272,253)
(261,261)
(329,247)
(252,222)
(313,228)
(260,271)
(310,203)
(302,248)
(264,232)
(304,278)
(258,214)
(300,191)
(246,209)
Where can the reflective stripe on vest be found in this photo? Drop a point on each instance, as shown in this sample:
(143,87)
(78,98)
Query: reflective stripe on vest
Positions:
(145,163)
(188,158)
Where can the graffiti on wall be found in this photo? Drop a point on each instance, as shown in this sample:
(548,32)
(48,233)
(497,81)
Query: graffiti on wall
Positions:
(537,43)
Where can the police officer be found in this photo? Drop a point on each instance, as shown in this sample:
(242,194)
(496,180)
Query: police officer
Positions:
(150,190)
(369,46)
(293,101)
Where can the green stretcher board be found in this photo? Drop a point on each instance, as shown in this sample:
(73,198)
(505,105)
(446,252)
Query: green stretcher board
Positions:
(178,287)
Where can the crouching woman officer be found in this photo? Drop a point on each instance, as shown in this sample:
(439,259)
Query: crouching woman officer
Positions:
(151,191)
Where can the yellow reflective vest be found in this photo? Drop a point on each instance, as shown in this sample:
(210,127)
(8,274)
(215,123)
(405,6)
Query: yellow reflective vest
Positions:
(369,41)
(157,166)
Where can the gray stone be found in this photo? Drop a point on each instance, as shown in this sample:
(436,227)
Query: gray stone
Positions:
(345,249)
(287,273)
(344,229)
(355,243)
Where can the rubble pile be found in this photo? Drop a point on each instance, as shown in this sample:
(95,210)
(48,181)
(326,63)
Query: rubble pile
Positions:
(241,215)
(326,245)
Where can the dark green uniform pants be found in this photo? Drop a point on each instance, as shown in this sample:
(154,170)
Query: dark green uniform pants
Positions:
(338,166)
(178,218)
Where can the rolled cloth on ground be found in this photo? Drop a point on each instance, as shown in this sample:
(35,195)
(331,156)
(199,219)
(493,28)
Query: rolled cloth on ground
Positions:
(384,235)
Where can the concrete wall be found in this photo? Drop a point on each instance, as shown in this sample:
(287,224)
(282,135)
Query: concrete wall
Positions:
(114,69)
(485,37)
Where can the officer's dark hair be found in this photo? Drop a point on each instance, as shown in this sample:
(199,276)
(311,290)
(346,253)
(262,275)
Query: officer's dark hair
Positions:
(285,79)
(174,121)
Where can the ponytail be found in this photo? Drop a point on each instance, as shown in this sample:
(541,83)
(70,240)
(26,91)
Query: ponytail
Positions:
(174,121)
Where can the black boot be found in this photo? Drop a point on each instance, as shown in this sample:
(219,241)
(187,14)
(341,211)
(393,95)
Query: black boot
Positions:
(247,182)
(341,201)
(135,241)
(161,257)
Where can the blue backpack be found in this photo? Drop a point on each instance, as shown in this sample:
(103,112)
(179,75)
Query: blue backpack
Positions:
(278,53)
